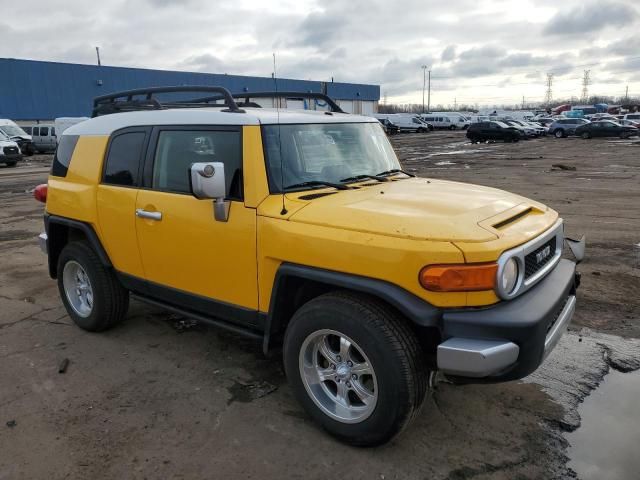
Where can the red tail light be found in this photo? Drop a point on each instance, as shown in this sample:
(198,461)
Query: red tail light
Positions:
(40,193)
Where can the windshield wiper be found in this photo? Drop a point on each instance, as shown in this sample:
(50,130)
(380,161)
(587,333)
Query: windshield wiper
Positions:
(362,177)
(318,183)
(392,171)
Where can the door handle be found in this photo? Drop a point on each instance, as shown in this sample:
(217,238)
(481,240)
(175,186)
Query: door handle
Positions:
(148,215)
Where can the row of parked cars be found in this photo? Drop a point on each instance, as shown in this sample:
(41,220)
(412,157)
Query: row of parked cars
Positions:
(410,122)
(17,141)
(510,130)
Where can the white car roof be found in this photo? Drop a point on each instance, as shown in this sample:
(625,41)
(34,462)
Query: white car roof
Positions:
(106,124)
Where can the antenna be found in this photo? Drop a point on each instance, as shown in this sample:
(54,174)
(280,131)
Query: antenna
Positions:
(277,99)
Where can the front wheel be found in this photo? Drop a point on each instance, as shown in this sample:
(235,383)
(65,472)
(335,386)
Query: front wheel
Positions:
(452,127)
(586,135)
(558,133)
(355,366)
(11,164)
(90,292)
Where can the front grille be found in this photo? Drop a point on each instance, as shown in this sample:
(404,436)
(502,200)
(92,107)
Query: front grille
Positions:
(531,263)
(10,150)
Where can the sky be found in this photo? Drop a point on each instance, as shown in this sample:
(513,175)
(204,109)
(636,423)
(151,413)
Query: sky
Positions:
(479,52)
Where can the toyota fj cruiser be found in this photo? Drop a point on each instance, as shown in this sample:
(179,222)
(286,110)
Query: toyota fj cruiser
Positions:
(301,230)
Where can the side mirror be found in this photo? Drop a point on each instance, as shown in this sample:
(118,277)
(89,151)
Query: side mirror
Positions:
(208,182)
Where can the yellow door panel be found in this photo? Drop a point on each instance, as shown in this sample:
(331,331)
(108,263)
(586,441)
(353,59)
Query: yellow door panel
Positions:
(116,216)
(190,251)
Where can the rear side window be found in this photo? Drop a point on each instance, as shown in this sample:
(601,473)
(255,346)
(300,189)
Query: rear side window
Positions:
(177,149)
(44,131)
(122,166)
(63,155)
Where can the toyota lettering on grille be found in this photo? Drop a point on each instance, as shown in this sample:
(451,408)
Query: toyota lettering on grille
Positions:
(543,254)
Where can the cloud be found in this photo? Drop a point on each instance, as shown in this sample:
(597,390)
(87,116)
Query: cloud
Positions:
(448,54)
(591,17)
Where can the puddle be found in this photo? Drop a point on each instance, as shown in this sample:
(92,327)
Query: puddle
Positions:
(606,444)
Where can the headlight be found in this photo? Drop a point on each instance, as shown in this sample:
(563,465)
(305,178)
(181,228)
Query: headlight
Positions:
(509,276)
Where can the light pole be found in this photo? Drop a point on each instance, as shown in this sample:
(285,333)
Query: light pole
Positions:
(429,94)
(424,82)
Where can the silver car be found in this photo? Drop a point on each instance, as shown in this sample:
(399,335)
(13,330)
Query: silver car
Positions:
(564,127)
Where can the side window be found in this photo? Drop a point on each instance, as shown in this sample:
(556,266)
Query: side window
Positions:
(44,131)
(36,131)
(123,159)
(176,150)
(63,155)
(53,131)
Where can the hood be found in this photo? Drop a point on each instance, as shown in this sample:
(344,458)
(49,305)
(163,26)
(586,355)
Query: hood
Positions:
(418,208)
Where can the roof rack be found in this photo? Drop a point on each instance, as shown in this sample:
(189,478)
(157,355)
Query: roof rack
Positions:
(249,95)
(125,101)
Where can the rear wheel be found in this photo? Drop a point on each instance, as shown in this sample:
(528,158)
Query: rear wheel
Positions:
(11,164)
(586,135)
(355,366)
(559,133)
(452,127)
(91,293)
(624,135)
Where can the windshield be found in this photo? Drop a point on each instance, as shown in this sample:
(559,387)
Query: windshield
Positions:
(3,136)
(326,152)
(12,130)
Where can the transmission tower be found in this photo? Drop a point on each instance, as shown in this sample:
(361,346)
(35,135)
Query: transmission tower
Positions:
(585,86)
(549,95)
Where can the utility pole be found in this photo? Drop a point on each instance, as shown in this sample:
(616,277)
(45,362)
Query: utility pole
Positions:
(455,103)
(585,86)
(523,102)
(429,93)
(424,81)
(626,94)
(98,55)
(549,95)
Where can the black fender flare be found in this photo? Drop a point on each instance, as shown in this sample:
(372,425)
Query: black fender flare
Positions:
(417,310)
(53,239)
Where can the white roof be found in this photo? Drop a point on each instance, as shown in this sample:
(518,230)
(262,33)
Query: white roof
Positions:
(106,124)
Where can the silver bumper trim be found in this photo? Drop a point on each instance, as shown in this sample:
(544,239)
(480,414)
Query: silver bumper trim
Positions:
(563,321)
(42,241)
(475,358)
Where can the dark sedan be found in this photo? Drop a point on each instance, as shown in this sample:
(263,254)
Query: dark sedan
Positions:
(483,131)
(606,128)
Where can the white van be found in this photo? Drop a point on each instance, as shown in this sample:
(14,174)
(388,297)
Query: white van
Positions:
(62,123)
(446,120)
(632,116)
(43,137)
(18,135)
(406,122)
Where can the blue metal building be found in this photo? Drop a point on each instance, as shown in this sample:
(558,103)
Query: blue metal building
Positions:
(34,90)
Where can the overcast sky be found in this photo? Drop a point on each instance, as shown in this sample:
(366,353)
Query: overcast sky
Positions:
(484,52)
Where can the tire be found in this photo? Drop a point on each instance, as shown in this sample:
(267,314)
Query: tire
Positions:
(624,136)
(585,135)
(379,338)
(10,164)
(109,301)
(559,133)
(420,130)
(452,127)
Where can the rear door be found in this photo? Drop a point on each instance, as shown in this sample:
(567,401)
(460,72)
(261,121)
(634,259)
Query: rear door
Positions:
(116,198)
(188,256)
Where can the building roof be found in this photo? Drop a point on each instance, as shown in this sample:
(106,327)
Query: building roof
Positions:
(46,90)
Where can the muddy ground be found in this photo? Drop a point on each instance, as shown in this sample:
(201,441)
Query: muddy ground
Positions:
(160,397)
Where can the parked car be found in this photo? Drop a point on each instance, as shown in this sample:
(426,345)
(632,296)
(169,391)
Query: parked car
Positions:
(389,127)
(527,130)
(302,232)
(18,135)
(539,128)
(629,123)
(44,138)
(606,128)
(564,127)
(10,153)
(632,116)
(483,131)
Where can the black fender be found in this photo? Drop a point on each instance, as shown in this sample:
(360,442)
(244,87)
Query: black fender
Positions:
(57,229)
(289,276)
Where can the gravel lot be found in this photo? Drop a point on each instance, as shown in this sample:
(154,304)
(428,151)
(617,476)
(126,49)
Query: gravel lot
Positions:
(160,397)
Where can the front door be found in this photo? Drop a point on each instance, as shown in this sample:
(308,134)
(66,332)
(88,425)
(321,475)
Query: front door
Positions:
(181,244)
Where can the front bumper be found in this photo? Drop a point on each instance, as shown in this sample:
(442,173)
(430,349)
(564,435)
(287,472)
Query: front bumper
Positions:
(509,340)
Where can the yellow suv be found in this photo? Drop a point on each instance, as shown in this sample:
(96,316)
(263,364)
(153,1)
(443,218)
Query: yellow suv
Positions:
(301,230)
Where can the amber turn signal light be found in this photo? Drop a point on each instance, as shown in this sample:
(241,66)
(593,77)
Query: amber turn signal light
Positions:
(459,278)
